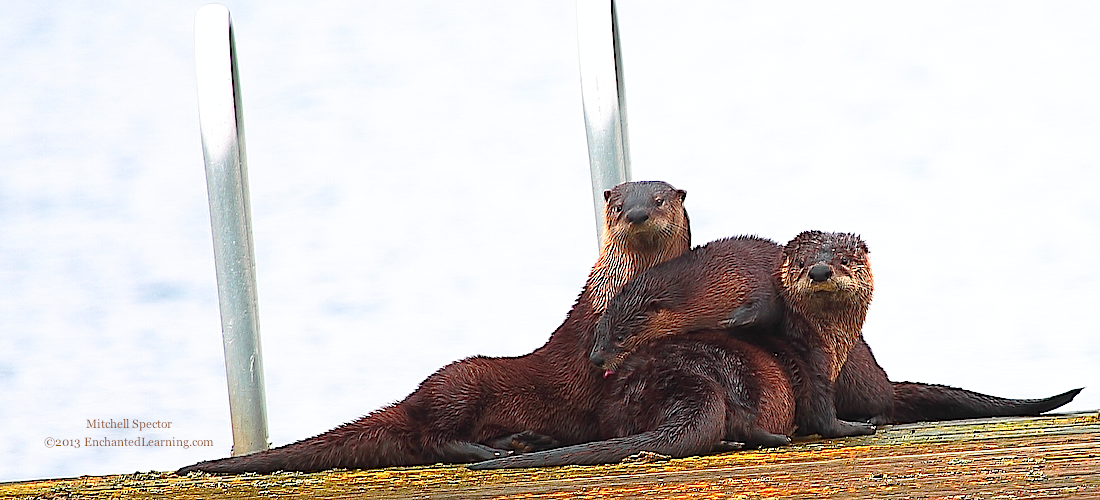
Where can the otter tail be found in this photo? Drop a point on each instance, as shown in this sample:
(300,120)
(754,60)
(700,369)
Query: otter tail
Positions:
(352,445)
(916,402)
(385,438)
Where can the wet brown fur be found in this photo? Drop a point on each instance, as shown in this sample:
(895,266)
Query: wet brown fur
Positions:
(660,303)
(864,393)
(837,305)
(736,282)
(684,395)
(480,407)
(679,390)
(696,393)
(705,288)
(665,394)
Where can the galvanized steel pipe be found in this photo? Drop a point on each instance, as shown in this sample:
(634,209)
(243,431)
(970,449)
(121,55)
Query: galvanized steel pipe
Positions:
(222,129)
(604,99)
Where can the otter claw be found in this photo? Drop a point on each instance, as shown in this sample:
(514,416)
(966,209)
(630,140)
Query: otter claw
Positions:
(724,446)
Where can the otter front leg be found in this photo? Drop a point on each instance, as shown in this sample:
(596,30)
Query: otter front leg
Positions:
(815,408)
(816,414)
(759,311)
(820,418)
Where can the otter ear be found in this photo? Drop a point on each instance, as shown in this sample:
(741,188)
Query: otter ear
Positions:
(683,194)
(654,305)
(606,194)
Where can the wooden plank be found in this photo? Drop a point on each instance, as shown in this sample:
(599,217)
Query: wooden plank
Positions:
(1045,457)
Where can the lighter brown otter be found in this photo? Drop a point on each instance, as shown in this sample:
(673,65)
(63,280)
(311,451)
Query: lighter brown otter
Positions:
(654,228)
(480,408)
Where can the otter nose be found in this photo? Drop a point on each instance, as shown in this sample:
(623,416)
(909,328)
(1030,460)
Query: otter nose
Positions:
(820,272)
(637,216)
(596,357)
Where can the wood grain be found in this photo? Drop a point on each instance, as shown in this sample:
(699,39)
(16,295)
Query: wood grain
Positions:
(1045,457)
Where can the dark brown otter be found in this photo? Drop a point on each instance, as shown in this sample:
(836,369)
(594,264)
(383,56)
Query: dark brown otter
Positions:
(683,395)
(697,392)
(863,392)
(480,407)
(826,278)
(825,284)
(680,391)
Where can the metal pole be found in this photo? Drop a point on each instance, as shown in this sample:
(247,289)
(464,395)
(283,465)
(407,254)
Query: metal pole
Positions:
(222,127)
(604,99)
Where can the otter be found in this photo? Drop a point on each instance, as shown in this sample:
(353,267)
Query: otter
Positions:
(481,407)
(693,394)
(679,391)
(822,278)
(863,391)
(646,225)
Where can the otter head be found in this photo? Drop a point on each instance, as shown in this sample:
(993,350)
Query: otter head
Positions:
(636,316)
(827,273)
(647,217)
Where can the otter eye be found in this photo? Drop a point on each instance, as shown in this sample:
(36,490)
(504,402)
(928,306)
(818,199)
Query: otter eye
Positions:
(617,208)
(619,338)
(659,202)
(844,261)
(801,262)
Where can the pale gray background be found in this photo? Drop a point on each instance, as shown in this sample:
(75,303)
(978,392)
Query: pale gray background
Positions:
(420,193)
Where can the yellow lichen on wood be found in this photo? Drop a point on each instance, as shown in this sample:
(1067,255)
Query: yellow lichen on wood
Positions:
(1048,457)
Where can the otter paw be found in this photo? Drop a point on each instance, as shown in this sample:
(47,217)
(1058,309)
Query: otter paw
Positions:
(880,420)
(724,446)
(765,439)
(742,316)
(761,311)
(844,428)
(524,442)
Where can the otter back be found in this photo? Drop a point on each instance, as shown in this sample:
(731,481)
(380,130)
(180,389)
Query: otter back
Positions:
(725,283)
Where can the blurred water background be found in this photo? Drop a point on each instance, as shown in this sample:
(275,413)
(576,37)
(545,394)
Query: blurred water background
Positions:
(420,193)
